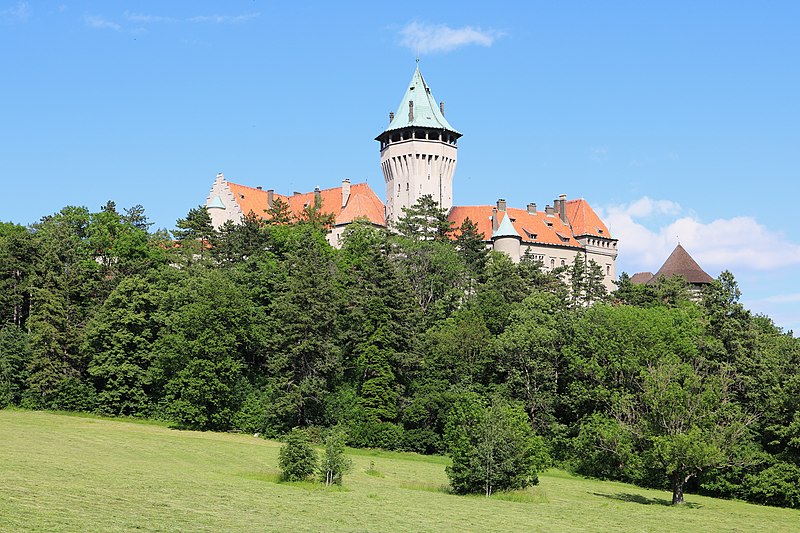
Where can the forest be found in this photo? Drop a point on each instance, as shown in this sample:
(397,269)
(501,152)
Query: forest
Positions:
(394,339)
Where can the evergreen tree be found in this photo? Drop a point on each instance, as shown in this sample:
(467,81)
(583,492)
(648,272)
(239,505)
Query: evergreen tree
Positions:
(425,220)
(279,213)
(303,354)
(470,243)
(297,459)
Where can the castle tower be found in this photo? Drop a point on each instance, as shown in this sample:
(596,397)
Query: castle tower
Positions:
(418,151)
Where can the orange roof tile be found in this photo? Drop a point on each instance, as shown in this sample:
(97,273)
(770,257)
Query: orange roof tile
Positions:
(533,227)
(584,220)
(362,202)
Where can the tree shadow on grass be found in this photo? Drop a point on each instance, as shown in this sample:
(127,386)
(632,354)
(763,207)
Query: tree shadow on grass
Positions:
(644,500)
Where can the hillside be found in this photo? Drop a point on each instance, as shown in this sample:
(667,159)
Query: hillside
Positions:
(68,473)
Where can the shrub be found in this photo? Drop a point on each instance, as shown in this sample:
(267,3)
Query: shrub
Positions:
(493,448)
(297,459)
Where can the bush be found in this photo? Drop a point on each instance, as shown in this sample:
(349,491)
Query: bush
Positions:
(297,459)
(777,485)
(493,448)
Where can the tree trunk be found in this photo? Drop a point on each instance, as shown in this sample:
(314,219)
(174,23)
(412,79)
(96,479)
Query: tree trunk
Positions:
(677,488)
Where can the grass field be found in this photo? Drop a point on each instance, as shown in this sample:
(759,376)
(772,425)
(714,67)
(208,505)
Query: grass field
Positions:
(68,473)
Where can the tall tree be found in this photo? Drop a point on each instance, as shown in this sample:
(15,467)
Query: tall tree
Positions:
(531,355)
(119,346)
(303,355)
(470,244)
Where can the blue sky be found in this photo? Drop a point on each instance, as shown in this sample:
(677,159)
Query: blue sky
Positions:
(676,120)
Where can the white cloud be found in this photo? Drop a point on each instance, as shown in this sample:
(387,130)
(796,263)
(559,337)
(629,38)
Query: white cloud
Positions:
(20,12)
(782,299)
(224,19)
(645,206)
(739,242)
(95,21)
(146,19)
(425,38)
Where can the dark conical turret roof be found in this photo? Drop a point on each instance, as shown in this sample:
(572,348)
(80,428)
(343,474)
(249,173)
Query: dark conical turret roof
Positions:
(680,263)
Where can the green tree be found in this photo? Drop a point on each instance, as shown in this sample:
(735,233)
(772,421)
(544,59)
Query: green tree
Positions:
(470,244)
(17,253)
(119,345)
(459,349)
(687,421)
(531,355)
(303,355)
(425,220)
(280,213)
(195,233)
(208,329)
(492,447)
(14,357)
(297,459)
(313,215)
(334,463)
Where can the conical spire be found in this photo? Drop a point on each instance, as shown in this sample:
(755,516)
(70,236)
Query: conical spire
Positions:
(680,263)
(418,108)
(505,229)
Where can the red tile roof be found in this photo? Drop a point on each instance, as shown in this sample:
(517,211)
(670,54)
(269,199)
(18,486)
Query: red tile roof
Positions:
(363,203)
(584,220)
(533,227)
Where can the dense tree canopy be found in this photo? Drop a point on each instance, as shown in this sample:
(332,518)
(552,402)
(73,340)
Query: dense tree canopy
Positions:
(414,339)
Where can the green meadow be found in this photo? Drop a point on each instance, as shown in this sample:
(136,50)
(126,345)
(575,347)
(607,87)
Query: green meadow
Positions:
(70,473)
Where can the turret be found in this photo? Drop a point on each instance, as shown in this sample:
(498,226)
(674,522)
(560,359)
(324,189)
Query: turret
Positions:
(504,237)
(418,151)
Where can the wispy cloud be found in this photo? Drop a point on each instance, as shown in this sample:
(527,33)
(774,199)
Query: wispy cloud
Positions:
(224,19)
(426,38)
(101,23)
(782,299)
(19,12)
(726,243)
(147,19)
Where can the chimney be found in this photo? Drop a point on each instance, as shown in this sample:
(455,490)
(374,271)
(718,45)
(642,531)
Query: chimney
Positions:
(295,193)
(562,208)
(270,198)
(501,205)
(345,191)
(317,194)
(441,107)
(532,208)
(411,111)
(258,187)
(495,219)
(548,210)
(391,116)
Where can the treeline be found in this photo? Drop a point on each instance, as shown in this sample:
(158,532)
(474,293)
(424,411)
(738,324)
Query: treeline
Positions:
(263,327)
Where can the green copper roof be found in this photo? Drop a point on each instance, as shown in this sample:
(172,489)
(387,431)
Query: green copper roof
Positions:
(505,229)
(426,112)
(216,202)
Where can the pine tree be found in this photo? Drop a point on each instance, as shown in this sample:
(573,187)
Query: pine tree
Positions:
(297,459)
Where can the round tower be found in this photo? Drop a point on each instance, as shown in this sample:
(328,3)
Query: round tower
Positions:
(418,151)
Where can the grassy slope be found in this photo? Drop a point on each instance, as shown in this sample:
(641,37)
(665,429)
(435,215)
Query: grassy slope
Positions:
(68,473)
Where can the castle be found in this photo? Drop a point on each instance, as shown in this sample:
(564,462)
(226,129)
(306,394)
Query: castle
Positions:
(419,152)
